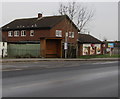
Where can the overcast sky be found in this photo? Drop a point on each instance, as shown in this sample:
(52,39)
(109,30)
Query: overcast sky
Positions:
(103,25)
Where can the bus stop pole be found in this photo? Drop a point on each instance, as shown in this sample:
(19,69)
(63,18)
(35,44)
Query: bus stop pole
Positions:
(110,51)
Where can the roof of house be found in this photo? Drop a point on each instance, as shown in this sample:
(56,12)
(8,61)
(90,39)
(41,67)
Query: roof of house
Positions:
(87,38)
(33,23)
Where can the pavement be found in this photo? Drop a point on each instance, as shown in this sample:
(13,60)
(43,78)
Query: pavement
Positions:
(82,79)
(55,59)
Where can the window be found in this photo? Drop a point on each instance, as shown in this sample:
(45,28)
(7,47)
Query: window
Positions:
(10,33)
(58,33)
(71,34)
(23,33)
(31,32)
(16,33)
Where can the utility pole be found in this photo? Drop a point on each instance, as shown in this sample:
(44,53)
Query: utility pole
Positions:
(66,44)
(110,51)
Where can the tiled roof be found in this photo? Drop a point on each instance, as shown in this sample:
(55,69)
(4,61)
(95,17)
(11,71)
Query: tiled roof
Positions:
(28,23)
(87,38)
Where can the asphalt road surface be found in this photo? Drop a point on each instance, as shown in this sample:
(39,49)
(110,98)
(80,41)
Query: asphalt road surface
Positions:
(93,79)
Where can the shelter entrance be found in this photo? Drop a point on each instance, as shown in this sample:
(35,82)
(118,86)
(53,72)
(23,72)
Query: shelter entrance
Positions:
(51,47)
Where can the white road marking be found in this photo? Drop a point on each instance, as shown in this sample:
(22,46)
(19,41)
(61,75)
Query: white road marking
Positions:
(12,69)
(105,62)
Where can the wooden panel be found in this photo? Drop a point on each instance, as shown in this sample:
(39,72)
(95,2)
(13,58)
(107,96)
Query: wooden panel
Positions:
(43,47)
(51,48)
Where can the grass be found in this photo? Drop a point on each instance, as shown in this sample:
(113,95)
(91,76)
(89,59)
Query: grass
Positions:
(100,56)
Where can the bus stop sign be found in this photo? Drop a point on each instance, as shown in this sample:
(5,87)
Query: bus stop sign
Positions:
(111,45)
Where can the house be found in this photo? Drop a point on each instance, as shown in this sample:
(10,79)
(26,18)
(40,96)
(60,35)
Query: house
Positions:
(3,47)
(47,34)
(89,45)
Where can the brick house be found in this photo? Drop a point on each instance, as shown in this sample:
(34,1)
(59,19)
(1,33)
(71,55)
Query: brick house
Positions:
(49,32)
(89,45)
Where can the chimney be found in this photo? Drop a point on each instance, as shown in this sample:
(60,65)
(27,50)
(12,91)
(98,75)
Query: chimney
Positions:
(39,15)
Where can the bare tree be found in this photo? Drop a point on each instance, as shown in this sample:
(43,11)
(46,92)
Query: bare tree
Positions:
(77,13)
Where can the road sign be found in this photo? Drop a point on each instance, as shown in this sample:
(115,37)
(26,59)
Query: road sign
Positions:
(111,45)
(66,34)
(65,45)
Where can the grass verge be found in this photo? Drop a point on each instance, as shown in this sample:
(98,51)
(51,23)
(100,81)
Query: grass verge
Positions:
(99,56)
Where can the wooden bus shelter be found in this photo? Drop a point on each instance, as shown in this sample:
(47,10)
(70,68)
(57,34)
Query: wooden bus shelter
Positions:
(51,47)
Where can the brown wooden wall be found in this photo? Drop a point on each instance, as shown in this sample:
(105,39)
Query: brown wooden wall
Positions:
(50,48)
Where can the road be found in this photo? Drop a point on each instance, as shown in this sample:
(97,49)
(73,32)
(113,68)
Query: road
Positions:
(92,79)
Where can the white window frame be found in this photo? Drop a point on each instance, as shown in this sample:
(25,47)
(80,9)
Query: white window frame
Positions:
(72,35)
(32,32)
(58,33)
(16,33)
(22,33)
(10,33)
